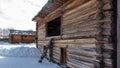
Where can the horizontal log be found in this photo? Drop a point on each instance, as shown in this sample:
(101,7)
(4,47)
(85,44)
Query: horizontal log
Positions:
(54,37)
(83,58)
(79,13)
(78,62)
(56,60)
(73,41)
(107,25)
(108,62)
(107,32)
(108,47)
(57,49)
(81,30)
(81,17)
(108,6)
(79,21)
(107,54)
(41,27)
(61,45)
(75,3)
(83,46)
(82,34)
(89,23)
(74,65)
(108,13)
(88,40)
(60,42)
(56,56)
(80,27)
(106,1)
(83,53)
(82,7)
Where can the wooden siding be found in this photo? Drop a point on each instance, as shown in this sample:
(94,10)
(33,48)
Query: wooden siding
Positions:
(86,34)
(22,39)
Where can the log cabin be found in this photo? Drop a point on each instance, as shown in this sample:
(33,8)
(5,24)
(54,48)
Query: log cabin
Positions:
(84,32)
(20,36)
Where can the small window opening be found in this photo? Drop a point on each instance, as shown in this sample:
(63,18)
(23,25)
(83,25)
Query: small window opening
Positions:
(53,27)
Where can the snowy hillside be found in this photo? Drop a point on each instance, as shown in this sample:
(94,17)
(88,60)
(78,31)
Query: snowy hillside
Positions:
(22,56)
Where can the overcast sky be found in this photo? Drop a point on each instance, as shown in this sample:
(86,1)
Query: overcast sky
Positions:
(19,13)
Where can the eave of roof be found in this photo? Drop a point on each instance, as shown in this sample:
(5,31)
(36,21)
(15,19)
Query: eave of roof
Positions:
(49,7)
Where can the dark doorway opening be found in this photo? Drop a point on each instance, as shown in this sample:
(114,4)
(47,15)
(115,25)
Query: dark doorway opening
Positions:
(53,27)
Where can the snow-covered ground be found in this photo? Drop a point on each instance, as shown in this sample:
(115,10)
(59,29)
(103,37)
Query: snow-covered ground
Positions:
(22,56)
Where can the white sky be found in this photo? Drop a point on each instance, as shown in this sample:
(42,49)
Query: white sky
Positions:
(19,13)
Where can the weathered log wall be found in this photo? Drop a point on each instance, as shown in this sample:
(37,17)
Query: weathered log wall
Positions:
(86,34)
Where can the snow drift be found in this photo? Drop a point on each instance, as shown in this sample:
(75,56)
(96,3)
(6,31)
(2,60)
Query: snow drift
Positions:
(19,51)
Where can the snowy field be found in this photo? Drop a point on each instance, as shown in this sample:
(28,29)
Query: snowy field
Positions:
(22,56)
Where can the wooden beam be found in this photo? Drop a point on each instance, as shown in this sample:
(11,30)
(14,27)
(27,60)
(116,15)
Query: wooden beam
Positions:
(118,34)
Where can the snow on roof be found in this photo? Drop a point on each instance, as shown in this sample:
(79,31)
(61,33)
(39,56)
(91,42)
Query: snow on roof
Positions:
(22,32)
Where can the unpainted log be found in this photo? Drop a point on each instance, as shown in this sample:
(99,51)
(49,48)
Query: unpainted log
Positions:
(108,47)
(106,1)
(107,6)
(93,65)
(82,7)
(81,17)
(83,46)
(41,27)
(107,25)
(81,30)
(61,45)
(80,27)
(74,65)
(107,32)
(83,53)
(107,54)
(108,62)
(82,34)
(83,58)
(79,13)
(108,13)
(88,22)
(79,21)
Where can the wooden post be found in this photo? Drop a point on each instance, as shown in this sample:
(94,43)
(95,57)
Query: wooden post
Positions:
(36,37)
(118,34)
